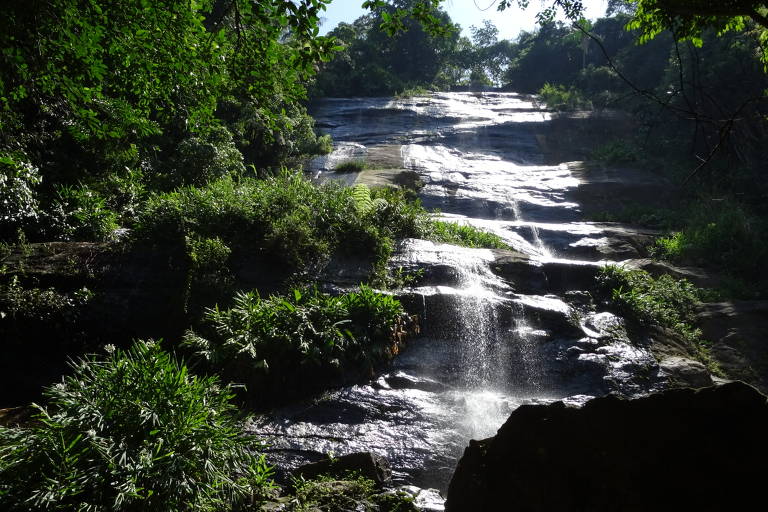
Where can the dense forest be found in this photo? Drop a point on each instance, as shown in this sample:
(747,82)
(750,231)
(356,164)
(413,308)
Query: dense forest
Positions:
(151,158)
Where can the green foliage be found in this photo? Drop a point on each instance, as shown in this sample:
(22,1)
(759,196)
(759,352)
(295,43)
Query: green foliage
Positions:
(371,58)
(324,145)
(690,20)
(200,159)
(560,97)
(412,92)
(208,254)
(132,431)
(353,493)
(18,200)
(615,152)
(642,214)
(24,305)
(305,333)
(124,192)
(274,134)
(664,301)
(464,235)
(285,220)
(351,166)
(121,97)
(80,213)
(719,234)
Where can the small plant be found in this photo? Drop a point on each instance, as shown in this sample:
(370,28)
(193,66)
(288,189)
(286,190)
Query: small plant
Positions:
(720,235)
(324,145)
(131,431)
(465,235)
(616,152)
(351,493)
(23,305)
(351,166)
(411,92)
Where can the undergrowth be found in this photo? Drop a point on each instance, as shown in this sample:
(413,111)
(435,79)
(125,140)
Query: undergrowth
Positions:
(353,493)
(664,301)
(131,431)
(724,236)
(351,166)
(464,235)
(298,340)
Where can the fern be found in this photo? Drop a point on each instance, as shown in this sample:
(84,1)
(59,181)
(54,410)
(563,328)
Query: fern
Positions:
(361,195)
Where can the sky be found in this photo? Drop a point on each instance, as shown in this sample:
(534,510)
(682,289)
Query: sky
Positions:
(465,13)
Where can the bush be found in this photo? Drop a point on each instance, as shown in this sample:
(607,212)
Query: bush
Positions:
(273,135)
(353,493)
(719,234)
(18,200)
(351,166)
(558,97)
(304,333)
(133,431)
(200,159)
(293,225)
(286,220)
(615,152)
(464,235)
(663,301)
(23,305)
(323,146)
(80,214)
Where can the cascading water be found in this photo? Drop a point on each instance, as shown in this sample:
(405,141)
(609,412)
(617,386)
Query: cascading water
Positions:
(490,341)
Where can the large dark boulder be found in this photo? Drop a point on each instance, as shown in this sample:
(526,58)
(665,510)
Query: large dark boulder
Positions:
(681,449)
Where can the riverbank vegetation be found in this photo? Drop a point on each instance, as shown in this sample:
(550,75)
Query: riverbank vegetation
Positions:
(298,342)
(151,183)
(662,301)
(127,430)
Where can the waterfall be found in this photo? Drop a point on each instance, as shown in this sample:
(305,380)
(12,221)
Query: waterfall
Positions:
(489,343)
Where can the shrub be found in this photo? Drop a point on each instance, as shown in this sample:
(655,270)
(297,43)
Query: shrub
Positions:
(414,91)
(351,166)
(293,224)
(719,234)
(353,493)
(664,301)
(558,97)
(24,305)
(269,136)
(133,431)
(464,235)
(80,213)
(199,159)
(18,200)
(305,333)
(124,192)
(323,146)
(615,152)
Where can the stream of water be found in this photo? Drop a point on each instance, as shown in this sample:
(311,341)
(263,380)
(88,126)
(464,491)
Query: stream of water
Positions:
(486,347)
